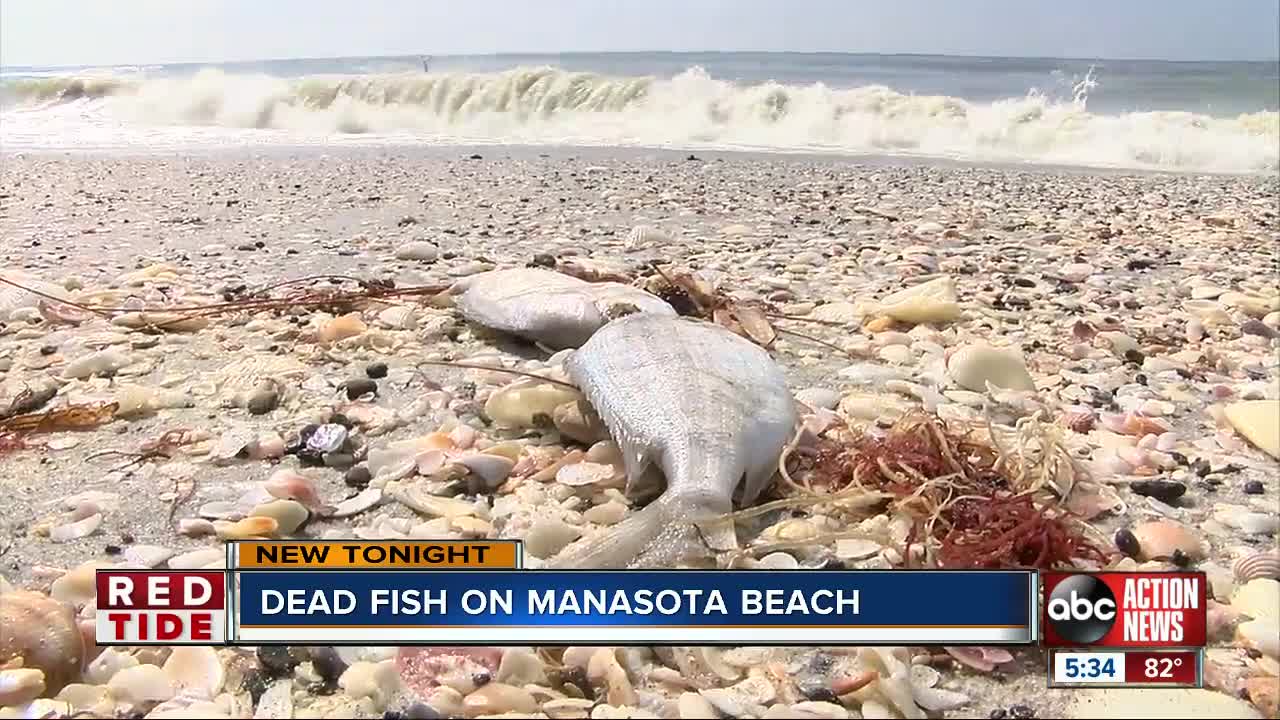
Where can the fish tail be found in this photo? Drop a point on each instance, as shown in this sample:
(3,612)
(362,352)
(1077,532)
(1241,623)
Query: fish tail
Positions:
(652,537)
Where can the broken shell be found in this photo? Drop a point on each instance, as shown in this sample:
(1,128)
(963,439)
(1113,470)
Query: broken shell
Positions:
(1261,635)
(1262,564)
(1160,538)
(20,686)
(1259,422)
(525,405)
(289,485)
(1259,599)
(585,473)
(75,530)
(363,501)
(250,527)
(930,302)
(548,537)
(341,327)
(41,633)
(578,421)
(605,669)
(973,366)
(492,469)
(418,499)
(195,669)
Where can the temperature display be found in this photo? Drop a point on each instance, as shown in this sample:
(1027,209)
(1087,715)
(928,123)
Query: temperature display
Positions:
(1124,669)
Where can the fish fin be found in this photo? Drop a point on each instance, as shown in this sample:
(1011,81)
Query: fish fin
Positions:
(652,537)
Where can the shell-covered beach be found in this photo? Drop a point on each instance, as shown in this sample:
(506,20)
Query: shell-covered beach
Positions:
(232,344)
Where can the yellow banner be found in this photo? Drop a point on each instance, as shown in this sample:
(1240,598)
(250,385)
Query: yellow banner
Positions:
(380,554)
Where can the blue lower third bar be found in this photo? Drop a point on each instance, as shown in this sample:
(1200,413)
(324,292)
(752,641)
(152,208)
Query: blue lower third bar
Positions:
(672,607)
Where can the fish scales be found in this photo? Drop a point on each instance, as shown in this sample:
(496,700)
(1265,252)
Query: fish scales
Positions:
(552,308)
(706,406)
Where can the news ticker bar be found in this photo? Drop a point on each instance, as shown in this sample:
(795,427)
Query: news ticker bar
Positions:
(477,592)
(254,606)
(1126,668)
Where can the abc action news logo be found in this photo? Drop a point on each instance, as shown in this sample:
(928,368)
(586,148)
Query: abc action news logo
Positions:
(1114,609)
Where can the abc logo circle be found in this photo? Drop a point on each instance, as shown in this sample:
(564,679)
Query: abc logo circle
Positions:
(1082,609)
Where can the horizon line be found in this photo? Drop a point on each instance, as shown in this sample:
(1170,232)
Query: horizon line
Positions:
(648,52)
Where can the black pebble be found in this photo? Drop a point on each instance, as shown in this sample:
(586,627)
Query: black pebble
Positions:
(1166,491)
(1022,712)
(48,349)
(998,714)
(360,386)
(543,260)
(376,370)
(420,711)
(113,550)
(1254,487)
(357,477)
(1180,558)
(820,693)
(393,715)
(1178,458)
(476,156)
(127,539)
(1135,357)
(276,660)
(1127,543)
(1200,466)
(481,679)
(328,664)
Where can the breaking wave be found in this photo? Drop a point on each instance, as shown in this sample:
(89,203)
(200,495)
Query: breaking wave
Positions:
(693,109)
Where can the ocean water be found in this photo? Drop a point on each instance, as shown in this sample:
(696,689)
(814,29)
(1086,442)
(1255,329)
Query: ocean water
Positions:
(1179,116)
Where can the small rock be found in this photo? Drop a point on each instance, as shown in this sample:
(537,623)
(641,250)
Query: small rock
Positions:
(1166,491)
(359,387)
(376,370)
(609,513)
(263,401)
(1254,487)
(358,476)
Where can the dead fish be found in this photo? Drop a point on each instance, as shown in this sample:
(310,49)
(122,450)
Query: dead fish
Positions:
(548,307)
(705,406)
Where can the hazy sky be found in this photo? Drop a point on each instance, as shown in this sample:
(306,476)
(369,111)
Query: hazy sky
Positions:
(73,32)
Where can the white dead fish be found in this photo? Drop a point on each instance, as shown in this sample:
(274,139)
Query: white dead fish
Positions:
(552,308)
(705,406)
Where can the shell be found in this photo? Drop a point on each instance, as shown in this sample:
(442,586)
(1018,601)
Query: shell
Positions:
(523,404)
(358,504)
(341,327)
(75,530)
(1262,564)
(42,632)
(195,669)
(289,485)
(493,469)
(249,527)
(1159,538)
(643,236)
(586,473)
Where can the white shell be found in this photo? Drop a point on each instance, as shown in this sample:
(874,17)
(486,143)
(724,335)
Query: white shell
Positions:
(76,530)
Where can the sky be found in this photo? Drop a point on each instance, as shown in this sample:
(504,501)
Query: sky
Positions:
(103,32)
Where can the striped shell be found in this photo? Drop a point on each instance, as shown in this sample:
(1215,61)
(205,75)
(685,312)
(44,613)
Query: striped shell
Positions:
(645,236)
(1262,564)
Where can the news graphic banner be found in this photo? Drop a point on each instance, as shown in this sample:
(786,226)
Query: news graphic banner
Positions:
(460,593)
(1126,610)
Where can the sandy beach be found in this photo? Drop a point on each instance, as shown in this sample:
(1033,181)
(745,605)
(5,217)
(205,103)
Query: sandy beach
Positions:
(1143,308)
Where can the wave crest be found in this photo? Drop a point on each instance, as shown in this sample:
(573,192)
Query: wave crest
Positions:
(548,105)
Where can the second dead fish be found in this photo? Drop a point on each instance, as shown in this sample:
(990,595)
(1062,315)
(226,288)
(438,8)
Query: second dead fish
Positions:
(705,406)
(548,307)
